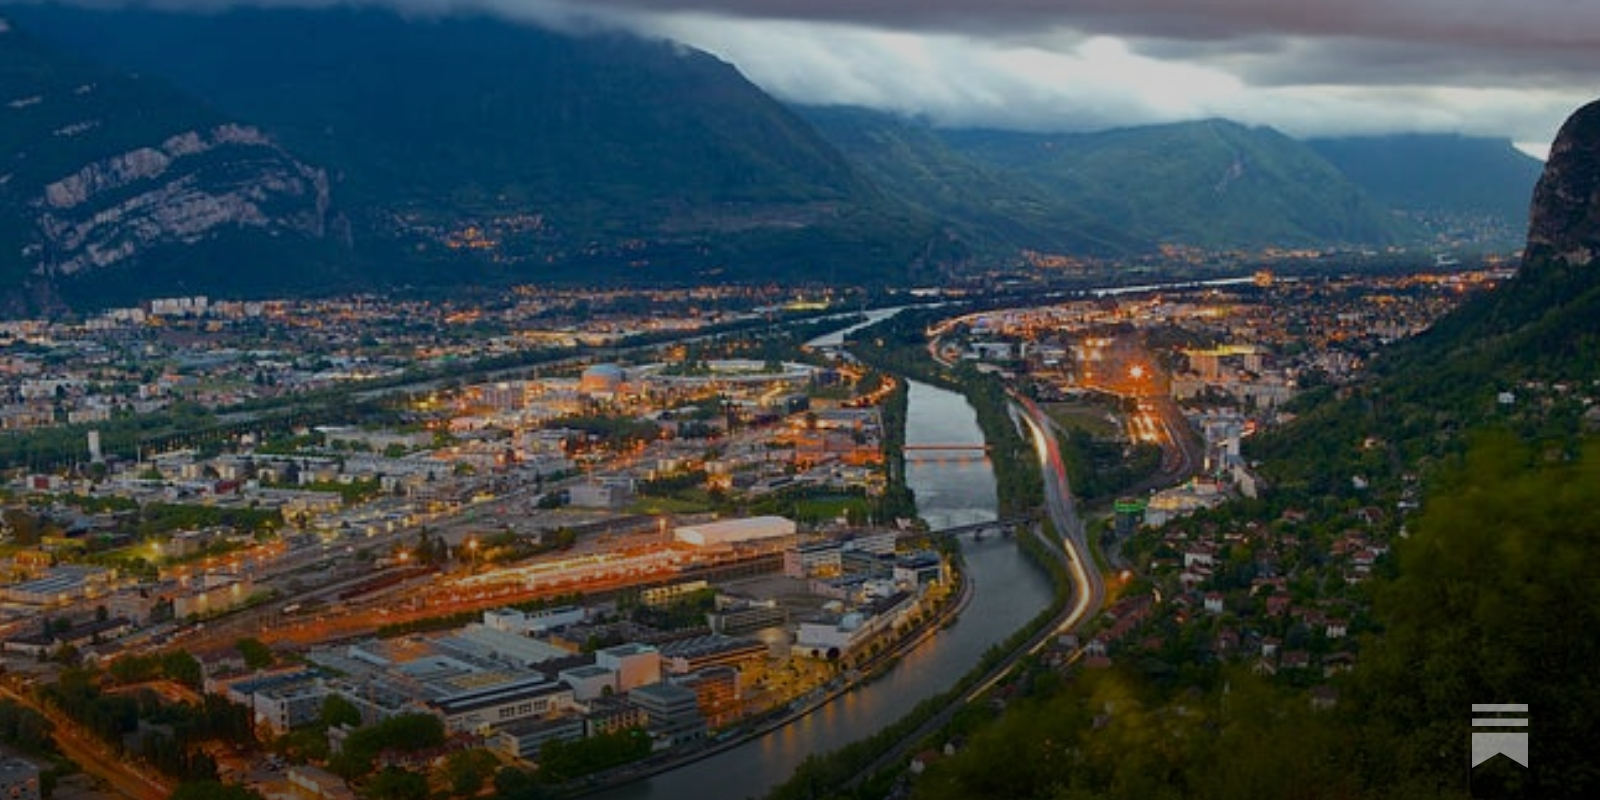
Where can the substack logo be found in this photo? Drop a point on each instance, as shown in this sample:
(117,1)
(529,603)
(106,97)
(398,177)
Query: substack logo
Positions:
(1505,734)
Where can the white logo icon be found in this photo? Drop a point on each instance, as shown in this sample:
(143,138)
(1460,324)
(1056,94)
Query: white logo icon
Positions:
(1495,740)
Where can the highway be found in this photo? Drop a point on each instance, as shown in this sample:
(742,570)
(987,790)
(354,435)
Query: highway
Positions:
(1088,586)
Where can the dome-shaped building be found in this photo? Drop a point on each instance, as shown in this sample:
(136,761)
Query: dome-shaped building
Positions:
(602,379)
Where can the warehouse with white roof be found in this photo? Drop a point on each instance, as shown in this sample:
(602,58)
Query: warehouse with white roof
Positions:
(735,531)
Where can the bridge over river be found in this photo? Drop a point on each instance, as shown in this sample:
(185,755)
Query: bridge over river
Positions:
(978,530)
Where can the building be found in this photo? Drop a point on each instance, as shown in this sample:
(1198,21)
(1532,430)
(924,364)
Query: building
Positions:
(735,615)
(60,586)
(284,708)
(735,531)
(917,569)
(878,543)
(499,704)
(609,494)
(1181,501)
(45,641)
(1129,514)
(589,681)
(279,701)
(315,783)
(483,642)
(673,712)
(836,637)
(635,664)
(532,623)
(603,380)
(716,691)
(522,740)
(813,560)
(657,596)
(212,593)
(714,650)
(612,714)
(830,638)
(19,779)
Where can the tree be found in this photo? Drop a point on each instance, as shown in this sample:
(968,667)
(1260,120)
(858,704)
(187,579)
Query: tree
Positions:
(179,666)
(24,728)
(336,711)
(213,790)
(256,654)
(1493,602)
(466,771)
(406,732)
(393,783)
(511,783)
(24,527)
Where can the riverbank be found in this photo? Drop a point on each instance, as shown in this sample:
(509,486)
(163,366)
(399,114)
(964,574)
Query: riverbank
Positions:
(876,668)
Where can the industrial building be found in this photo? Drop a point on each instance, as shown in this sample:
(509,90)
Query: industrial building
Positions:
(532,697)
(635,664)
(522,740)
(735,531)
(814,560)
(674,712)
(684,656)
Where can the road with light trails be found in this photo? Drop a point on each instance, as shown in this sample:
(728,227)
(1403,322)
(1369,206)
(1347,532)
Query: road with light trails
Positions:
(1088,585)
(94,756)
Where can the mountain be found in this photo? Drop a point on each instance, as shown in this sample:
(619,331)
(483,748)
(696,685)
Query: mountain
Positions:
(1543,324)
(1213,184)
(518,153)
(346,146)
(109,180)
(996,208)
(1564,224)
(1461,187)
(1499,359)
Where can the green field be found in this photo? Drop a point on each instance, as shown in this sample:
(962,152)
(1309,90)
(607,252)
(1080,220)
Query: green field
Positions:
(1091,418)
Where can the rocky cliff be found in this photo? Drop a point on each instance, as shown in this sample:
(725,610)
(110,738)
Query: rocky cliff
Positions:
(104,172)
(191,186)
(1564,221)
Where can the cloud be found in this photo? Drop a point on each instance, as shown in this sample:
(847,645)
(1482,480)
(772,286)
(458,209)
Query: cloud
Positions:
(1309,67)
(1076,80)
(1526,23)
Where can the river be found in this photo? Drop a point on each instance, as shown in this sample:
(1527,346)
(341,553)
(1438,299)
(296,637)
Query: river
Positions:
(1009,592)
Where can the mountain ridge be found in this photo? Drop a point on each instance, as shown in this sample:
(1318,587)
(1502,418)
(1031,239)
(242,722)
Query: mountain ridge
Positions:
(466,148)
(1420,177)
(1210,183)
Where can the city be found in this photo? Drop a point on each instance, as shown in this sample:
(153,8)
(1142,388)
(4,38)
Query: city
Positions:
(901,400)
(703,538)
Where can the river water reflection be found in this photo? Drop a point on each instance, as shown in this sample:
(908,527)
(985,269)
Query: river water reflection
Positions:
(1009,592)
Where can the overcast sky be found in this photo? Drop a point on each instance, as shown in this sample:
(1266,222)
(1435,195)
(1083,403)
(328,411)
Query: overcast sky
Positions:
(1511,68)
